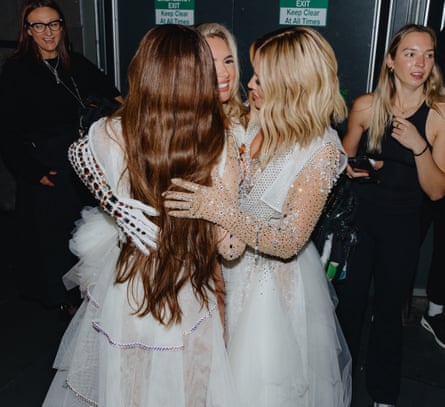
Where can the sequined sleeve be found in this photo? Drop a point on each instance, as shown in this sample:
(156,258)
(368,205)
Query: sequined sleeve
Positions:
(229,246)
(286,236)
(303,205)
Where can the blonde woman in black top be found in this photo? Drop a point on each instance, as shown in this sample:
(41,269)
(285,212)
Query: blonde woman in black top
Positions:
(401,126)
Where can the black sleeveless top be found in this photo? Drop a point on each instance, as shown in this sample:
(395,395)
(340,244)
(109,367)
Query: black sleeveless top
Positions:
(399,189)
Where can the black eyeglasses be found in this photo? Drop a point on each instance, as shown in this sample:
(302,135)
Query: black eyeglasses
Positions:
(54,25)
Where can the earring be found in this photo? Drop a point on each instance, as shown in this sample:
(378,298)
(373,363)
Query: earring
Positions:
(391,69)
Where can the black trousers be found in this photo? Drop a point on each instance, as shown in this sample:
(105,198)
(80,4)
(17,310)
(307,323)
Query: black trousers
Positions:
(45,220)
(387,253)
(433,212)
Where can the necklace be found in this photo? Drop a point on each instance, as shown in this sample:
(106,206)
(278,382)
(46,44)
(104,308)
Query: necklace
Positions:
(408,110)
(53,70)
(59,81)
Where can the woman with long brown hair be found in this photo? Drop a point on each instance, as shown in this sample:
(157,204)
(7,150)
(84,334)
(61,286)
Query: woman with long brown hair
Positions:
(149,333)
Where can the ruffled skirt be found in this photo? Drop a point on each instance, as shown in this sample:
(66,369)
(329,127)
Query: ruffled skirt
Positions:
(285,346)
(111,358)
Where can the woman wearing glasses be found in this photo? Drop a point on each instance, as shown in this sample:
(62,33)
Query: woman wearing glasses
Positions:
(42,87)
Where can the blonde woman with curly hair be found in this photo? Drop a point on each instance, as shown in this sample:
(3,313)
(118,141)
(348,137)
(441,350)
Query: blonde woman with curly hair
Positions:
(401,127)
(285,346)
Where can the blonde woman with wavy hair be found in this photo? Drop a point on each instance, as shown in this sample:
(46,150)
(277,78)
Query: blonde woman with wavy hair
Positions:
(285,346)
(148,333)
(309,95)
(386,89)
(400,127)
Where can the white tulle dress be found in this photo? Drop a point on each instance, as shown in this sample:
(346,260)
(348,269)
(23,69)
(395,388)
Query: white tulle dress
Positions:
(285,346)
(108,356)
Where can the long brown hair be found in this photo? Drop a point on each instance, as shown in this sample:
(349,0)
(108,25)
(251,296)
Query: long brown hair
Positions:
(172,127)
(27,47)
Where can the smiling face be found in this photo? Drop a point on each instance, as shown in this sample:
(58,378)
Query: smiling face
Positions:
(256,91)
(46,41)
(224,65)
(413,60)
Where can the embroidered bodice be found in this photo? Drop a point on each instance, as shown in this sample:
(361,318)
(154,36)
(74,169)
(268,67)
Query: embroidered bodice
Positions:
(280,205)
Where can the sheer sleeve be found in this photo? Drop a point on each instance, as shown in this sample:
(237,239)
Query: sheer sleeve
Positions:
(283,237)
(229,246)
(304,203)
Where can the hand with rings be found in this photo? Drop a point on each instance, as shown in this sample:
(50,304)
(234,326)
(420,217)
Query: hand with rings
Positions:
(406,134)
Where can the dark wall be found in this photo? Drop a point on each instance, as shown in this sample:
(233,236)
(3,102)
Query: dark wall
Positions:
(137,17)
(351,43)
(249,19)
(357,33)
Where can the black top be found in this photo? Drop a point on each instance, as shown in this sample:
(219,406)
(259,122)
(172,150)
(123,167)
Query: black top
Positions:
(399,189)
(34,107)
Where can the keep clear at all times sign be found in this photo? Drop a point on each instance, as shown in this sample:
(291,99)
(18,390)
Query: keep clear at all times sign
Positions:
(303,12)
(175,12)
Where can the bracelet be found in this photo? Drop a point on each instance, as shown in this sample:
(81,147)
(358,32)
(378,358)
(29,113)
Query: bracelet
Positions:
(419,154)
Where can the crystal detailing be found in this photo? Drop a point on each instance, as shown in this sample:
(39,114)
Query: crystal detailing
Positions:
(196,325)
(133,345)
(79,395)
(280,212)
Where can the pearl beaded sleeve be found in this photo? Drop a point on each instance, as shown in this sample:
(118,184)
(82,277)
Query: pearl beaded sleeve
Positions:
(131,216)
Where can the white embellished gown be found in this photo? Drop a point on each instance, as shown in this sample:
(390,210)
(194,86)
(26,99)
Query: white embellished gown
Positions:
(108,356)
(285,346)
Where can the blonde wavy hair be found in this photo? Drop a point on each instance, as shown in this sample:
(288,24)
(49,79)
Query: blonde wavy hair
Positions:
(298,76)
(385,90)
(234,108)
